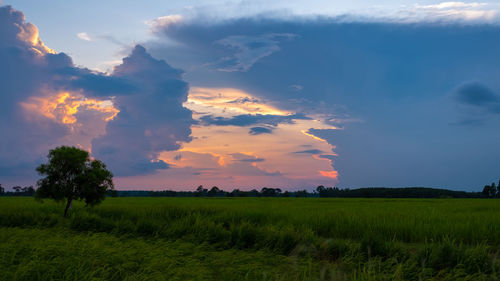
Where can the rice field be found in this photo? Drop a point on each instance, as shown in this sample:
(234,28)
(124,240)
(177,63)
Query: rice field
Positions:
(251,239)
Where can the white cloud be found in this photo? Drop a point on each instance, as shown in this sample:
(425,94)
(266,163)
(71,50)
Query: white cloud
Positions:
(450,11)
(84,36)
(164,22)
(452,5)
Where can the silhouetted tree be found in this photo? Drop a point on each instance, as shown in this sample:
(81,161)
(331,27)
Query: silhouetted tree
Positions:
(213,191)
(2,190)
(71,175)
(112,193)
(265,191)
(254,193)
(200,191)
(486,191)
(28,190)
(301,193)
(236,193)
(498,189)
(17,188)
(493,190)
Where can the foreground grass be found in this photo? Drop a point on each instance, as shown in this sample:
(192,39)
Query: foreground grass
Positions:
(57,254)
(252,239)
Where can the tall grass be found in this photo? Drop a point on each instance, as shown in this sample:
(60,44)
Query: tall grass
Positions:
(352,238)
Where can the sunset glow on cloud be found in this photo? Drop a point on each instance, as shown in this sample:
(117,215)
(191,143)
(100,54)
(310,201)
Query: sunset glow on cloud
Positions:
(229,155)
(407,96)
(64,107)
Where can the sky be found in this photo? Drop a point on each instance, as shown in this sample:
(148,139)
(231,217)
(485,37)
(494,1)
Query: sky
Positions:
(247,94)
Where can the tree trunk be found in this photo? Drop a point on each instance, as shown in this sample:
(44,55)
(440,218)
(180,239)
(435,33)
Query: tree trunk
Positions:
(68,205)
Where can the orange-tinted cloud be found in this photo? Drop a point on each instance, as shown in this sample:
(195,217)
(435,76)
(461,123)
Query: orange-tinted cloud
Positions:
(329,174)
(229,156)
(63,107)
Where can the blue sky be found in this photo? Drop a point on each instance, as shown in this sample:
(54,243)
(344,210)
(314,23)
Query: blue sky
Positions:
(238,94)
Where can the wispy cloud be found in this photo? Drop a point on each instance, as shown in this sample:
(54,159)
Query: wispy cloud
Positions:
(84,36)
(248,50)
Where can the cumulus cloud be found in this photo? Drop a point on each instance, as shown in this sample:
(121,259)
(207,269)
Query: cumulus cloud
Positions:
(48,102)
(164,22)
(151,119)
(28,69)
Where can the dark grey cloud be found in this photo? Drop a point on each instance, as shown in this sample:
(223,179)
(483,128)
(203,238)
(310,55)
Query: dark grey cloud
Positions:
(240,157)
(96,84)
(252,119)
(245,100)
(386,84)
(478,95)
(309,151)
(260,130)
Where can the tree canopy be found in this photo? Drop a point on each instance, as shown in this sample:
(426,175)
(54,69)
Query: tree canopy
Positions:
(71,174)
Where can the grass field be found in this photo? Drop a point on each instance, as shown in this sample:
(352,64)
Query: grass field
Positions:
(251,239)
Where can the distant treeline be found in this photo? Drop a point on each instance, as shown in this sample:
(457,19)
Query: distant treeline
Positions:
(489,191)
(320,191)
(18,191)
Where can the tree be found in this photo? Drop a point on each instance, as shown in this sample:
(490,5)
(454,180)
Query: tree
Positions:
(2,190)
(498,189)
(28,190)
(70,175)
(301,193)
(265,191)
(486,191)
(493,190)
(213,191)
(200,191)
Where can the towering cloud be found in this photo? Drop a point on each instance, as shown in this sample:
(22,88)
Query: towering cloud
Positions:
(48,101)
(28,68)
(151,119)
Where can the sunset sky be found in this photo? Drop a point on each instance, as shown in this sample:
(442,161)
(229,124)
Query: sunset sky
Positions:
(247,94)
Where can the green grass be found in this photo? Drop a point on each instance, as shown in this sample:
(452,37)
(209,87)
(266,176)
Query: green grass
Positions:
(251,239)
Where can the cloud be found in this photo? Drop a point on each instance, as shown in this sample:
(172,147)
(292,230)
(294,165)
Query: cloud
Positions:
(151,119)
(241,157)
(248,50)
(165,22)
(451,11)
(260,130)
(309,151)
(478,95)
(125,118)
(386,81)
(249,119)
(28,69)
(84,36)
(245,100)
(296,87)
